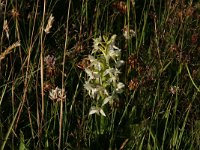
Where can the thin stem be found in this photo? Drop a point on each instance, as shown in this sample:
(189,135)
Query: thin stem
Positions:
(63,78)
(42,67)
(191,78)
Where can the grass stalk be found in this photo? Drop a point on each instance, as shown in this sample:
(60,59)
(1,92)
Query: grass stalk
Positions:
(63,77)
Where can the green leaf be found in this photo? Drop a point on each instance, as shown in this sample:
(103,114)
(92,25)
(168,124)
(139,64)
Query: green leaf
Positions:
(22,145)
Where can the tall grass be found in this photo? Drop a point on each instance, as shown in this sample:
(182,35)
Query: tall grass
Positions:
(159,108)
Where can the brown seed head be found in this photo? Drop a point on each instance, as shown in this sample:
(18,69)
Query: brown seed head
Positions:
(189,11)
(194,38)
(133,84)
(120,6)
(84,63)
(15,13)
(132,61)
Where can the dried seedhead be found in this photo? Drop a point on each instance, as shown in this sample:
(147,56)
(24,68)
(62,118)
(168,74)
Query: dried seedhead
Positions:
(133,61)
(180,15)
(50,60)
(184,13)
(194,39)
(175,52)
(57,95)
(79,47)
(189,11)
(48,86)
(128,33)
(50,71)
(186,58)
(133,84)
(50,65)
(174,49)
(174,89)
(9,50)
(84,63)
(49,24)
(140,70)
(14,13)
(152,15)
(145,75)
(120,6)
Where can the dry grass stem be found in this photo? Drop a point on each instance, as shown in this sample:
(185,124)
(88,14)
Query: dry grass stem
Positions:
(9,49)
(6,28)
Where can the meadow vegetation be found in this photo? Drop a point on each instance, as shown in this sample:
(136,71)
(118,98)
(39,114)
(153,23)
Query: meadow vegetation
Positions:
(100,74)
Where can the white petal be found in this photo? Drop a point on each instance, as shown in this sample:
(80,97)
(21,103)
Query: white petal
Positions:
(93,110)
(108,71)
(97,41)
(102,112)
(106,100)
(120,87)
(116,71)
(94,92)
(91,58)
(115,54)
(89,73)
(119,63)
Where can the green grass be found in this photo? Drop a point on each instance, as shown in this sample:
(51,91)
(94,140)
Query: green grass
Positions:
(159,108)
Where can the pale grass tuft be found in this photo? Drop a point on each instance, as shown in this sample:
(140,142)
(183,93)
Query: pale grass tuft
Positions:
(6,28)
(57,94)
(9,49)
(49,24)
(128,33)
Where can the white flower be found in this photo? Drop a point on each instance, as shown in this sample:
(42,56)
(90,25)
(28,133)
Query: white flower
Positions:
(97,42)
(111,42)
(108,71)
(93,89)
(92,58)
(97,110)
(107,99)
(114,54)
(119,63)
(90,74)
(111,72)
(95,63)
(120,87)
(103,73)
(113,75)
(112,80)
